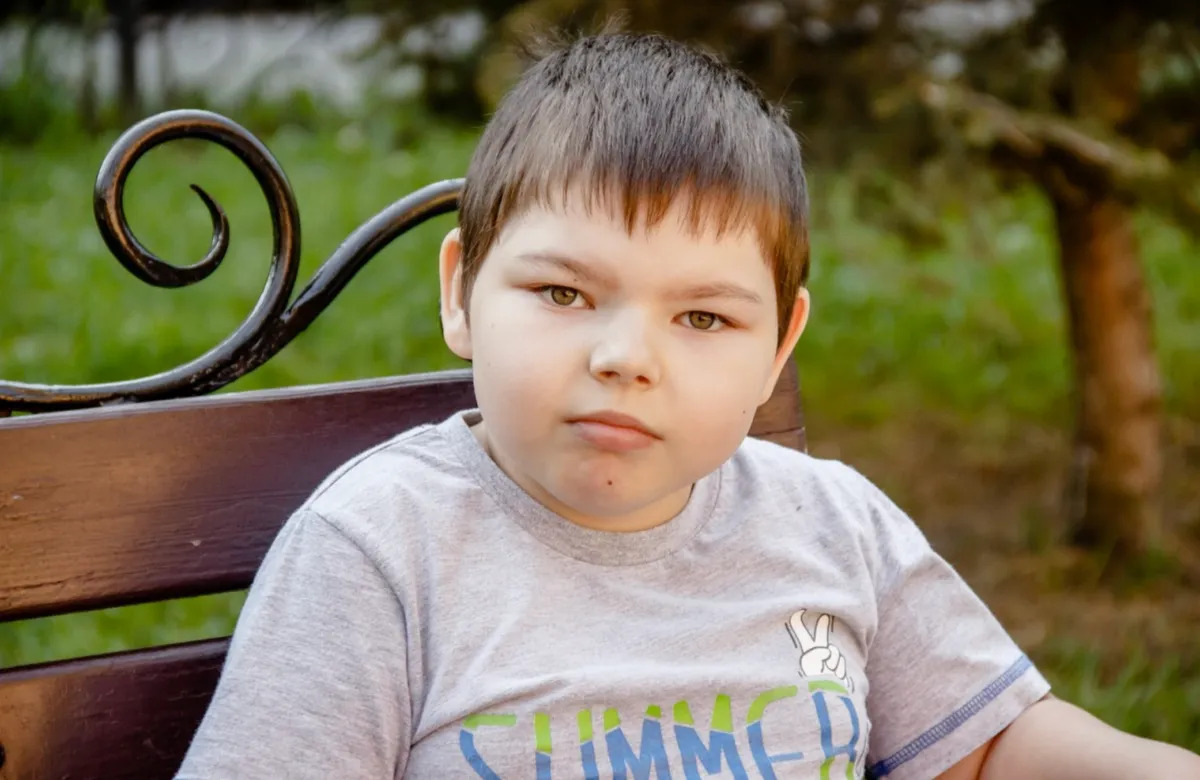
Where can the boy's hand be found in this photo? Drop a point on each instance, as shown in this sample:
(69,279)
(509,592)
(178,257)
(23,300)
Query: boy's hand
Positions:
(818,655)
(1054,739)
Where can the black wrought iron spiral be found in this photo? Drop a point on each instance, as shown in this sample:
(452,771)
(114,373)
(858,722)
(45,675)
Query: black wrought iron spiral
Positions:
(275,319)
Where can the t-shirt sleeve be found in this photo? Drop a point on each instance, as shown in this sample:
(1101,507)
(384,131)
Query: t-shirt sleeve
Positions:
(944,674)
(315,683)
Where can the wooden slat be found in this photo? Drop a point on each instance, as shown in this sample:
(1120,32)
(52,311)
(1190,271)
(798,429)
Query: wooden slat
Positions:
(125,504)
(129,715)
(781,419)
(119,505)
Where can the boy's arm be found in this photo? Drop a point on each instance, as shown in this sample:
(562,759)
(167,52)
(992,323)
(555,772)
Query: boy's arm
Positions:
(316,681)
(1054,739)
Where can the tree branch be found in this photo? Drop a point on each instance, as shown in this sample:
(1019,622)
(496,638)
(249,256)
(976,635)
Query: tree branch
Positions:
(1052,148)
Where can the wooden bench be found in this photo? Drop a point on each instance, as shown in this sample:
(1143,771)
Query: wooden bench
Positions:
(151,489)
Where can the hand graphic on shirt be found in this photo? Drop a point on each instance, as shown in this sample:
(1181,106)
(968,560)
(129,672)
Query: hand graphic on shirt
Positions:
(817,654)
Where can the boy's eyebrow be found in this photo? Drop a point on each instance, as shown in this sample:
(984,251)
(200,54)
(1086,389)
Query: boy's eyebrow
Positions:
(694,292)
(716,290)
(568,264)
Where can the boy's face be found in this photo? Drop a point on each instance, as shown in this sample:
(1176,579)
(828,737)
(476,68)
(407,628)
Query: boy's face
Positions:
(613,370)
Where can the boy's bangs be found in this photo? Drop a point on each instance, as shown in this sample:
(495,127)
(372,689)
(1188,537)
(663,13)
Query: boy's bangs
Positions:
(642,205)
(639,181)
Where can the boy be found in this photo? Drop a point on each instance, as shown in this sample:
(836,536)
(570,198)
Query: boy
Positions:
(595,573)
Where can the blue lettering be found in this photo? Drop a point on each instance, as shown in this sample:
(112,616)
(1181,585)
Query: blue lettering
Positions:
(466,740)
(466,743)
(621,754)
(587,756)
(587,751)
(850,749)
(761,757)
(542,744)
(692,748)
(754,731)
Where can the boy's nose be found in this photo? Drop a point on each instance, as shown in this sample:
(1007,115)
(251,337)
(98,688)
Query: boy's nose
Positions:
(623,353)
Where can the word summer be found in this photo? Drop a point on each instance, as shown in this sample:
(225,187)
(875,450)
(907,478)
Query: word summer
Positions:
(824,730)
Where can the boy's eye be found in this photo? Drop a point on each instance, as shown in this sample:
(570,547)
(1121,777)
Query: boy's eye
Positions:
(703,320)
(560,296)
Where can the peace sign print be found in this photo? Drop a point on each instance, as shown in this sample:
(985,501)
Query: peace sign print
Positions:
(818,655)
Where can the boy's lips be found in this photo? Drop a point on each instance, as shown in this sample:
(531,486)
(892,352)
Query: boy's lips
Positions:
(608,430)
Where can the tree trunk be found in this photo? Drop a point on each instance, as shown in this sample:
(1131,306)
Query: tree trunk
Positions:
(128,18)
(166,70)
(1117,465)
(88,102)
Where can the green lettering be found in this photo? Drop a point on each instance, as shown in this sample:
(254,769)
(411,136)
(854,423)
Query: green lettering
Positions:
(826,685)
(825,767)
(541,732)
(471,721)
(759,705)
(722,717)
(584,719)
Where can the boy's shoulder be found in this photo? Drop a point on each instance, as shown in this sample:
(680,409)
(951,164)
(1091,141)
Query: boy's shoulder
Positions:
(782,468)
(814,495)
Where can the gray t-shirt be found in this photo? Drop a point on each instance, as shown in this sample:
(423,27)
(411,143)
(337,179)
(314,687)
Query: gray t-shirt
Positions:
(422,617)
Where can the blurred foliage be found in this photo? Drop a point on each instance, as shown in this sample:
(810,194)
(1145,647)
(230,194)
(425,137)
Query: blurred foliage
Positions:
(853,74)
(33,104)
(72,10)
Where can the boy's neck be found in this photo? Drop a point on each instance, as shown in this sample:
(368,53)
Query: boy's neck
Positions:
(645,518)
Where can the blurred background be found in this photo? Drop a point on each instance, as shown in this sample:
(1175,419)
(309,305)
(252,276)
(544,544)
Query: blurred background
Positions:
(1006,278)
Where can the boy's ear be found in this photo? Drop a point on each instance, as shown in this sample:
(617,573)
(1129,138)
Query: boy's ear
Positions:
(790,337)
(455,329)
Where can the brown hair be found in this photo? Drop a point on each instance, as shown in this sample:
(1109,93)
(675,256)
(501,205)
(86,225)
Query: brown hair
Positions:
(637,122)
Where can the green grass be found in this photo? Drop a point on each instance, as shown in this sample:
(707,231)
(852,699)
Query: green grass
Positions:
(72,314)
(1158,698)
(894,330)
(123,628)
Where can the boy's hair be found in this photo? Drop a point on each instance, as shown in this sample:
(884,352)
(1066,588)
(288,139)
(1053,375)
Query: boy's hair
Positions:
(633,123)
